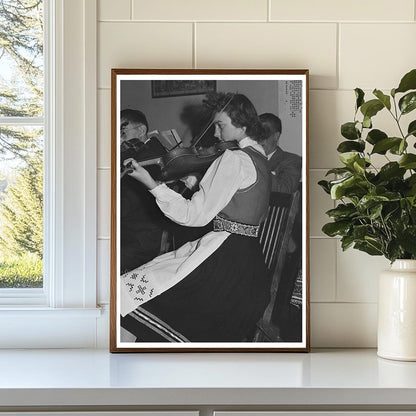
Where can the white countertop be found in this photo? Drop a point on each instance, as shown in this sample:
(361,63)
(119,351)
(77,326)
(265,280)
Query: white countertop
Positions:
(96,377)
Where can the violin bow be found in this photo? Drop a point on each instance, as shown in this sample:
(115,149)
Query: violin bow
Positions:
(201,135)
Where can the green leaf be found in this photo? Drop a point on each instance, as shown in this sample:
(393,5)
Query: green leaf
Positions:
(325,186)
(359,94)
(408,82)
(359,165)
(367,122)
(346,242)
(349,131)
(375,211)
(371,108)
(408,161)
(338,189)
(350,146)
(385,99)
(393,250)
(391,170)
(412,179)
(398,149)
(352,186)
(383,145)
(369,248)
(411,130)
(342,211)
(374,136)
(369,201)
(408,102)
(338,171)
(359,232)
(407,239)
(336,228)
(348,158)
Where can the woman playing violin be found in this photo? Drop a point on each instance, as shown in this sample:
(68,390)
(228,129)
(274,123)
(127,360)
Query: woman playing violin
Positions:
(213,289)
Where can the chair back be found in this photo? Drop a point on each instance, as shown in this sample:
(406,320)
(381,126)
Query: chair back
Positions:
(275,233)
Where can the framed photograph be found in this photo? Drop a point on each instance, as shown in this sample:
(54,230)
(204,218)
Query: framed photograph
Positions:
(209,211)
(177,88)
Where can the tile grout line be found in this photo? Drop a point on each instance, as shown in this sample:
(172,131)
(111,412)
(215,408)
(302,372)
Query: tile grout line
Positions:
(338,63)
(269,11)
(336,271)
(254,21)
(194,62)
(131,9)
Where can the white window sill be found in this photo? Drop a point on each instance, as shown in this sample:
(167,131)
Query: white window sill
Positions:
(36,312)
(40,327)
(331,379)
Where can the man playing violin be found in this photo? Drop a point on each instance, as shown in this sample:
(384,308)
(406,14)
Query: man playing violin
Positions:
(141,221)
(133,136)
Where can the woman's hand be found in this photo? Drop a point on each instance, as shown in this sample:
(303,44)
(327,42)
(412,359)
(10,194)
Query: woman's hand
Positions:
(139,173)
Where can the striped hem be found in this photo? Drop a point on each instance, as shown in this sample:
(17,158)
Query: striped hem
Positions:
(157,325)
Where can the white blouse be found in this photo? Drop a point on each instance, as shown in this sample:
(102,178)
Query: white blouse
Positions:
(232,171)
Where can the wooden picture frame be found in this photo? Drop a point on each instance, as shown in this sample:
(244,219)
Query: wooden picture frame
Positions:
(182,87)
(177,284)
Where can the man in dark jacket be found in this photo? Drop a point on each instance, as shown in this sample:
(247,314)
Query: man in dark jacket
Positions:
(286,167)
(141,221)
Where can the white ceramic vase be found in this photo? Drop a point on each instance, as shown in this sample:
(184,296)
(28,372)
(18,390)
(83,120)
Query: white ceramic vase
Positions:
(397,312)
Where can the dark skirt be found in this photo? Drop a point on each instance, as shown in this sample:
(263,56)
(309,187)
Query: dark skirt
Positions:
(220,301)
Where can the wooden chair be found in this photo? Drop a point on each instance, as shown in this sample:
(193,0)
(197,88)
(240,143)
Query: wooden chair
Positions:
(275,233)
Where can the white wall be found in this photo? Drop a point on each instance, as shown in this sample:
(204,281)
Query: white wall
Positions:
(163,113)
(345,44)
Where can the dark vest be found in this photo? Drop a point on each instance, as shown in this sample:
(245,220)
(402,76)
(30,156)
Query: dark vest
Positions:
(249,205)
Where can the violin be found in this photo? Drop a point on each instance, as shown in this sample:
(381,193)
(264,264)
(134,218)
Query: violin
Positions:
(180,162)
(132,144)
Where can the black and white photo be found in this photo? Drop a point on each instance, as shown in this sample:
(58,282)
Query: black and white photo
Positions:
(209,245)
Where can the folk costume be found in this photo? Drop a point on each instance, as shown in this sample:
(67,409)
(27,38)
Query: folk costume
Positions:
(213,289)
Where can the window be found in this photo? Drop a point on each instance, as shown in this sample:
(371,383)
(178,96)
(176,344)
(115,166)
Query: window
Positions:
(21,143)
(63,312)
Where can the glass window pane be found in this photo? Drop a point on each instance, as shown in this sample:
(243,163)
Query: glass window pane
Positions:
(21,207)
(21,58)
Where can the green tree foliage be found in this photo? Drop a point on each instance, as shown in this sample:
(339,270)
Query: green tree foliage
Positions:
(21,81)
(21,212)
(21,95)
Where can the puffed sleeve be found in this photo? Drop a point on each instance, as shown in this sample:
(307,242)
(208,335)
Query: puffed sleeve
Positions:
(231,171)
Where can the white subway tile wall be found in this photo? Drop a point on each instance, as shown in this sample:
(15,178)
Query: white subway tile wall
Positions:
(323,268)
(375,55)
(142,45)
(104,128)
(352,10)
(345,44)
(201,10)
(270,45)
(104,202)
(319,203)
(114,10)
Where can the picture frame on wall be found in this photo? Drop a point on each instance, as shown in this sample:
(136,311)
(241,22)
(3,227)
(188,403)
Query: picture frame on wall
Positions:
(209,211)
(177,88)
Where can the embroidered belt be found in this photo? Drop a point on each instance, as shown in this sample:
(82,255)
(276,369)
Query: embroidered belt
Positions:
(222,224)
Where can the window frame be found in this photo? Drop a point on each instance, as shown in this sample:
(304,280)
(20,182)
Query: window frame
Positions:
(70,207)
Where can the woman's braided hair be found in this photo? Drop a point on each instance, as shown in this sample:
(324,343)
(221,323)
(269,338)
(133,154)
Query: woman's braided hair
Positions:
(240,110)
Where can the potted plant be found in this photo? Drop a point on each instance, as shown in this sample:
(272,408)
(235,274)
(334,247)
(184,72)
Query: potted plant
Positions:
(376,209)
